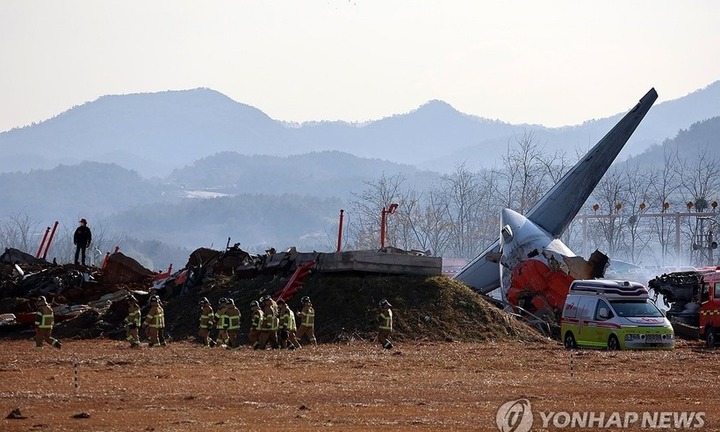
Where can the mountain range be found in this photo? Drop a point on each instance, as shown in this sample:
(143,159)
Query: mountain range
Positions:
(155,133)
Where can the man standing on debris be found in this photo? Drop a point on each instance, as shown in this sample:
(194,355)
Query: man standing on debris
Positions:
(307,321)
(256,323)
(82,239)
(385,324)
(287,326)
(207,316)
(133,321)
(44,321)
(233,324)
(154,321)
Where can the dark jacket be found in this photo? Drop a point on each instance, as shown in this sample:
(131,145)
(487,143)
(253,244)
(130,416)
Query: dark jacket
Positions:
(82,236)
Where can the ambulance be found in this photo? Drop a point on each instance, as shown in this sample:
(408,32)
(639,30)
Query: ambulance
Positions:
(615,315)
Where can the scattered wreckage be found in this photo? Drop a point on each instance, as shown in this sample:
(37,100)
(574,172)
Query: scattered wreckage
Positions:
(89,296)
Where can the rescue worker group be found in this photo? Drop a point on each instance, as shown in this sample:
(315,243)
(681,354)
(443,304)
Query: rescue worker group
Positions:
(273,324)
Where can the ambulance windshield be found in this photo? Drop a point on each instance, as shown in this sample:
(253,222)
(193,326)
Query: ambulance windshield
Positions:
(635,308)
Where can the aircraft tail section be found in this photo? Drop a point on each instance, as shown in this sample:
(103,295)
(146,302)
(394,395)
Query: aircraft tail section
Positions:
(559,206)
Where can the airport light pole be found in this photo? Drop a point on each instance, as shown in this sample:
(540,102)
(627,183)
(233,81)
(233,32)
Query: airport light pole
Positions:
(383,222)
(340,224)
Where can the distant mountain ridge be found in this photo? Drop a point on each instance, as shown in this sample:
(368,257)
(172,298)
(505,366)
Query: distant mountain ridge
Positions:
(321,174)
(262,200)
(154,133)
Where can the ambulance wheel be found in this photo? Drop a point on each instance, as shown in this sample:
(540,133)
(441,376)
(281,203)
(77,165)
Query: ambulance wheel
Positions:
(570,341)
(613,343)
(710,337)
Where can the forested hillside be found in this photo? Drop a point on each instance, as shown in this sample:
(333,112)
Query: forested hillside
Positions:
(88,188)
(321,174)
(701,138)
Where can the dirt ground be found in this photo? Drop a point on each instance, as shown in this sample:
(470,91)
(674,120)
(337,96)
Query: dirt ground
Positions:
(348,387)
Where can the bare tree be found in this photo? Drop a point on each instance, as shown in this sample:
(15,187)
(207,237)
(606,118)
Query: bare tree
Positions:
(699,180)
(610,194)
(528,172)
(463,196)
(636,197)
(21,232)
(426,222)
(366,211)
(663,184)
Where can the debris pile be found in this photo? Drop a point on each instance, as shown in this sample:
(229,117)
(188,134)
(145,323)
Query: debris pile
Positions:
(88,302)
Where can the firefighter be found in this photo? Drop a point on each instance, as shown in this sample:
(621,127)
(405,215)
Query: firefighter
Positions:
(133,321)
(269,326)
(267,300)
(161,330)
(232,314)
(307,321)
(385,324)
(154,322)
(287,326)
(44,321)
(207,317)
(220,322)
(256,322)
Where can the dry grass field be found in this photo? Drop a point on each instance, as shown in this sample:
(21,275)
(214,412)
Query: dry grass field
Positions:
(344,387)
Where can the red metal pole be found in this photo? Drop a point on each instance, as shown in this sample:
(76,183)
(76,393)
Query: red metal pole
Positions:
(107,256)
(383,222)
(382,227)
(339,244)
(42,243)
(50,239)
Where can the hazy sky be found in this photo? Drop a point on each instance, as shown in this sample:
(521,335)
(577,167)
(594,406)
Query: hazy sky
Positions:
(548,62)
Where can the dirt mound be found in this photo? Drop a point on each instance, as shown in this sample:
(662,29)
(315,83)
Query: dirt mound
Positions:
(425,308)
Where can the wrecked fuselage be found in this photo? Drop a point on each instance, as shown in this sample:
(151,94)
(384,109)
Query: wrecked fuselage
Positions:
(537,269)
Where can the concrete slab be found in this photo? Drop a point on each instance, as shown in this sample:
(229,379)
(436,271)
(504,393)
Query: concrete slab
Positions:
(377,262)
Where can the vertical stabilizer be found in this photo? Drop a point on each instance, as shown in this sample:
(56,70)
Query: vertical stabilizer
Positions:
(559,206)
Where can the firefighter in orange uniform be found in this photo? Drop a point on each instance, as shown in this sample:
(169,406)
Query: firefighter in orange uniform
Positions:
(232,314)
(287,326)
(133,321)
(255,324)
(207,317)
(385,324)
(269,324)
(307,321)
(154,322)
(44,321)
(221,322)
